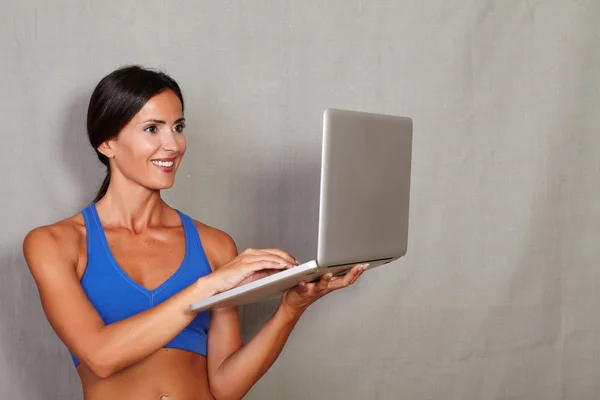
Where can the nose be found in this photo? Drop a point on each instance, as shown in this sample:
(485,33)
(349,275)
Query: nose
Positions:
(170,143)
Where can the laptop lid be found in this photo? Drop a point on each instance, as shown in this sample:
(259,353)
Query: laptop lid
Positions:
(365,187)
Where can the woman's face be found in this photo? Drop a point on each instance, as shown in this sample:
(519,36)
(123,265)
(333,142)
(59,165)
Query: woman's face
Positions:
(148,150)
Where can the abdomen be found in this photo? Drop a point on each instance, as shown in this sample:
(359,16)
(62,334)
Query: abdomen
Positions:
(177,374)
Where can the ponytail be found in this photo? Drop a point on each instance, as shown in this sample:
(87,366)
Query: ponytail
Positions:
(104,186)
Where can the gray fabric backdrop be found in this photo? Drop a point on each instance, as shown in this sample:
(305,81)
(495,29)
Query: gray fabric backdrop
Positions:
(497,297)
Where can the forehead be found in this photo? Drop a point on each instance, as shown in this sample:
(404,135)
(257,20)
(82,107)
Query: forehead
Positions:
(165,104)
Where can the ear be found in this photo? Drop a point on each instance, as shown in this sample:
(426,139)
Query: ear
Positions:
(106,148)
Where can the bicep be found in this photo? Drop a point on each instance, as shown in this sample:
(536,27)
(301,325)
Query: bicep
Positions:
(224,334)
(63,300)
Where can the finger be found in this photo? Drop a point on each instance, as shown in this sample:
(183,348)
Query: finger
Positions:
(356,277)
(264,267)
(265,272)
(362,268)
(277,252)
(339,281)
(356,271)
(335,285)
(249,251)
(302,287)
(322,285)
(350,276)
(282,254)
(267,258)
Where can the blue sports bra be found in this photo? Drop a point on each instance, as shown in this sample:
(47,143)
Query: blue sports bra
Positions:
(116,296)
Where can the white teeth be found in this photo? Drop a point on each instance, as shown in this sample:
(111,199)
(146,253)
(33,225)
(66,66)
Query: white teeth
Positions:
(163,163)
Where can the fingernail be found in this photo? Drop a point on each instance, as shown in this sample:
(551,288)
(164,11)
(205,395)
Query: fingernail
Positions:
(329,276)
(365,266)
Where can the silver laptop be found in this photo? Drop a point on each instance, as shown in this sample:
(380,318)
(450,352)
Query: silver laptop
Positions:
(364,204)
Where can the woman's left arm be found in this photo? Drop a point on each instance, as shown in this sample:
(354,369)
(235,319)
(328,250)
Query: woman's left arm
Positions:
(233,368)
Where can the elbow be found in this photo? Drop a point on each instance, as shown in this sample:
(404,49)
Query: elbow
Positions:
(224,392)
(100,366)
(225,396)
(103,372)
(220,395)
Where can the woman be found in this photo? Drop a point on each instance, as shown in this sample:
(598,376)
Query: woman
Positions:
(116,279)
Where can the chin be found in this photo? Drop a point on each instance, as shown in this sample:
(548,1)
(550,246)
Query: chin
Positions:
(166,186)
(160,185)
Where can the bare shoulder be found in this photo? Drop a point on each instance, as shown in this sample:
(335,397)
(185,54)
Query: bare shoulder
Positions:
(63,237)
(219,246)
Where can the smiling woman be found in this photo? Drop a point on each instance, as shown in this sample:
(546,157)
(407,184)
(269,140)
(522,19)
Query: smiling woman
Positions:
(127,112)
(116,279)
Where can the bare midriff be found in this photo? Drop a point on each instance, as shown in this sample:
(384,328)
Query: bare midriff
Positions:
(168,374)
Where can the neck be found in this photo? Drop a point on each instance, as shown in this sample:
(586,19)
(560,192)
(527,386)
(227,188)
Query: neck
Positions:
(131,206)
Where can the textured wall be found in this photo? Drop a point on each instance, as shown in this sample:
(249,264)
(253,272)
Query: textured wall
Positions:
(497,296)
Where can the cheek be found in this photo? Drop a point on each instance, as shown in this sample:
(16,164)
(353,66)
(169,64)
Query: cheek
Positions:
(181,144)
(143,149)
(135,153)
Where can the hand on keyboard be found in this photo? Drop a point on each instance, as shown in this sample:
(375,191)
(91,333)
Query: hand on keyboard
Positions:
(249,266)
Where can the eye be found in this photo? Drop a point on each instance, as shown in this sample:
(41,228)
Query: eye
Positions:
(151,129)
(179,128)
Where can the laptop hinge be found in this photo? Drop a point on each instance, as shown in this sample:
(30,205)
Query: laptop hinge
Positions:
(361,262)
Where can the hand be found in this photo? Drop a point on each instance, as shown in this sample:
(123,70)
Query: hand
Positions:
(297,299)
(251,265)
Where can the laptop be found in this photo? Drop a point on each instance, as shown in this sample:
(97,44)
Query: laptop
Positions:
(363,209)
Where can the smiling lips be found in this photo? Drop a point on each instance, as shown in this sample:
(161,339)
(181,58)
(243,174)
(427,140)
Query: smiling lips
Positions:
(164,164)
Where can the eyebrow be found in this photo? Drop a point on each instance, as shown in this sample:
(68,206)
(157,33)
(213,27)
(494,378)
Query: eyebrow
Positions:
(158,121)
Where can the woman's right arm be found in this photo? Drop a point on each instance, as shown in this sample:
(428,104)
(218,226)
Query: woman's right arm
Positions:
(51,254)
